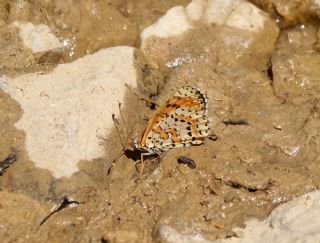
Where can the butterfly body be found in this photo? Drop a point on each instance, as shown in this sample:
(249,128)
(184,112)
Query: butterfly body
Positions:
(181,122)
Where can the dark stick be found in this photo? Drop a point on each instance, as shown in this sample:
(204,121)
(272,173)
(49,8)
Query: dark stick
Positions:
(5,164)
(64,202)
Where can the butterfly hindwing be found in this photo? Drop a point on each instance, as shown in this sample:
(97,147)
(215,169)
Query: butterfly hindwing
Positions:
(183,121)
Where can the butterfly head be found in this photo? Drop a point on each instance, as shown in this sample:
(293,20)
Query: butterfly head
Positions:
(133,143)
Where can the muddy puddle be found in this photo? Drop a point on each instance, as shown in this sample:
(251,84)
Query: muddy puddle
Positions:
(264,111)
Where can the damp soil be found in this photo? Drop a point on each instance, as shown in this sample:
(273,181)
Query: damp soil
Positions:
(264,148)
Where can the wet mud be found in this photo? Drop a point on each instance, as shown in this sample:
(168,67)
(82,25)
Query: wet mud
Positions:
(264,112)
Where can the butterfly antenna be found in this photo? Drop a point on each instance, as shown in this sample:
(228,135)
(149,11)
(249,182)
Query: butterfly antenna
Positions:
(123,151)
(123,120)
(118,131)
(141,97)
(144,66)
(115,160)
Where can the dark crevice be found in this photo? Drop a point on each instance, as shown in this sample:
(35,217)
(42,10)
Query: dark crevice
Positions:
(270,72)
(249,188)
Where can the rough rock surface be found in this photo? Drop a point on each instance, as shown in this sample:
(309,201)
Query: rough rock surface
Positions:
(37,37)
(294,222)
(262,88)
(67,112)
(236,29)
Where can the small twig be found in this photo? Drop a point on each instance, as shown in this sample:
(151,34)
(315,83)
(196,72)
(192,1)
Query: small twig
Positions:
(64,202)
(5,164)
(236,122)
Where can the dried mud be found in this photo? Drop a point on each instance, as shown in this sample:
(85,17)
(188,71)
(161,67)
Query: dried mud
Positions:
(250,168)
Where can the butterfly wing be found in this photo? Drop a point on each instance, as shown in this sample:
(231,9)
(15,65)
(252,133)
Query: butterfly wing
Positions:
(183,121)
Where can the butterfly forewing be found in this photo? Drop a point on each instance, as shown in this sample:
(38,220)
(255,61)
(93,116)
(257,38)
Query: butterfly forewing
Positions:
(183,121)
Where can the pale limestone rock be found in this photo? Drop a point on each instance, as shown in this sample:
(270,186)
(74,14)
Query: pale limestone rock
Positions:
(295,221)
(66,112)
(175,22)
(246,16)
(37,37)
(170,235)
(316,3)
(239,14)
(218,12)
(231,32)
(195,9)
(315,7)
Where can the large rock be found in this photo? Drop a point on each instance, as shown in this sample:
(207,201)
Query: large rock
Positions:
(292,222)
(67,111)
(295,65)
(232,31)
(291,12)
(39,38)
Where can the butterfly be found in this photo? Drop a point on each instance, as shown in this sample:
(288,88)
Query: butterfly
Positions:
(181,122)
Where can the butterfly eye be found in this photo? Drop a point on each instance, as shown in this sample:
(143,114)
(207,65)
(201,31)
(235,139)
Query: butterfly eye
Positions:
(133,142)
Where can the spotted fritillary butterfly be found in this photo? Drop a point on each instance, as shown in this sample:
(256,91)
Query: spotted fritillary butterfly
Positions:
(181,122)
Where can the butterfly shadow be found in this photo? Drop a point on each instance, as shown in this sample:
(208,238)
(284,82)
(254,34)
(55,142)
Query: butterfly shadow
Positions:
(134,155)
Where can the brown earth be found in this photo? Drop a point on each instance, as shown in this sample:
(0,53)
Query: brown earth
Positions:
(264,114)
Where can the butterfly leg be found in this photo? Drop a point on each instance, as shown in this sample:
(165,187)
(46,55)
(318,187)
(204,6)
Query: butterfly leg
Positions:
(142,161)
